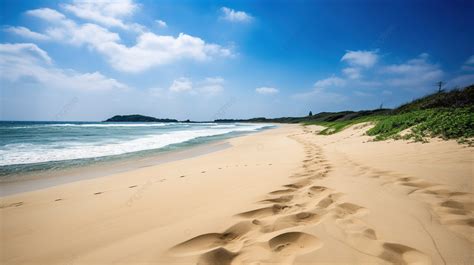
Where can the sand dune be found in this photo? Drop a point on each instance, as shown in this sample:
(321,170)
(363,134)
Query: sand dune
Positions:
(285,196)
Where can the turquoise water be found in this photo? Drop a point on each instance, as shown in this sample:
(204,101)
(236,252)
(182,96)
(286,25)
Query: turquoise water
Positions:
(28,146)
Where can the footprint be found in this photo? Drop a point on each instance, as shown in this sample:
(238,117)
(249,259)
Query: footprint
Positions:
(280,192)
(328,200)
(211,241)
(15,204)
(294,243)
(294,220)
(299,184)
(419,184)
(370,233)
(266,211)
(458,205)
(345,209)
(201,244)
(281,199)
(401,254)
(218,256)
(318,188)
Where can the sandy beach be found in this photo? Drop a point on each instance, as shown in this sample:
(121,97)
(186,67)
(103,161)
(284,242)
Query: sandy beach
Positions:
(281,196)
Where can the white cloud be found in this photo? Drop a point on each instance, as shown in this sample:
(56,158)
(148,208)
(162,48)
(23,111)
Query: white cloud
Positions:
(47,14)
(232,15)
(26,33)
(469,64)
(161,23)
(181,84)
(330,82)
(209,86)
(352,72)
(152,49)
(361,58)
(105,12)
(461,81)
(212,85)
(415,73)
(321,95)
(62,29)
(26,61)
(149,50)
(24,50)
(266,90)
(362,94)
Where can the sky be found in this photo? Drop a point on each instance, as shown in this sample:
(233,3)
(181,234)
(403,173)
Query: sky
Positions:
(205,60)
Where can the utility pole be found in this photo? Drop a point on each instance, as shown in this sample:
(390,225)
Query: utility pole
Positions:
(440,85)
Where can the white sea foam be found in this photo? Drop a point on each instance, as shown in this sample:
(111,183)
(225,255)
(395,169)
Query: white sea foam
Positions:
(94,125)
(25,153)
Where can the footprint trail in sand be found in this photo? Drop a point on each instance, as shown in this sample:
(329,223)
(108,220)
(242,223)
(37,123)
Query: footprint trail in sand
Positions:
(270,232)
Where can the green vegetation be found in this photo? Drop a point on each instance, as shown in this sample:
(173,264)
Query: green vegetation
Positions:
(337,126)
(447,123)
(456,98)
(446,114)
(449,115)
(137,118)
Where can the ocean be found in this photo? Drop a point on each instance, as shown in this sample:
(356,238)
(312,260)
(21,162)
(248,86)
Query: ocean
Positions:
(30,146)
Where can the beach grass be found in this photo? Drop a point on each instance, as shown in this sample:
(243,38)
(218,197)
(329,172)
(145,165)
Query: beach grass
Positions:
(448,115)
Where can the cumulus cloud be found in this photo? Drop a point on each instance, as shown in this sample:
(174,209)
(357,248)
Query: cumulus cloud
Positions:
(212,85)
(149,50)
(26,33)
(232,15)
(23,51)
(105,12)
(181,84)
(418,72)
(352,72)
(266,90)
(360,58)
(65,30)
(322,91)
(152,49)
(330,82)
(161,23)
(47,14)
(26,61)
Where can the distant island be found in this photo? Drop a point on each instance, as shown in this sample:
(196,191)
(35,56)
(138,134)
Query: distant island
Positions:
(137,118)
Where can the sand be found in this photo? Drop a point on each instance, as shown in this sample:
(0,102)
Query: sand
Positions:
(282,196)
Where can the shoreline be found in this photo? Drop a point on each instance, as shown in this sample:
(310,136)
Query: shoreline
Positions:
(42,179)
(281,196)
(37,179)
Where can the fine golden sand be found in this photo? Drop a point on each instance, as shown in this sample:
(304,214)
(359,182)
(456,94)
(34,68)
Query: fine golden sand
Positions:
(282,196)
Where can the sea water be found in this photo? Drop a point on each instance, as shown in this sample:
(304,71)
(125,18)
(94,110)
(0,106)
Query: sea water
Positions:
(29,146)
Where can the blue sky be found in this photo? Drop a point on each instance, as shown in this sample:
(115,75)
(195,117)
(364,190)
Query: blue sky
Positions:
(202,60)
